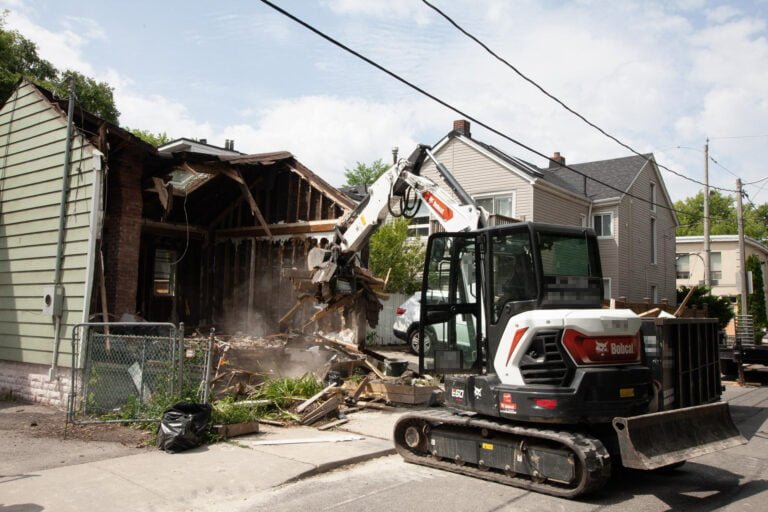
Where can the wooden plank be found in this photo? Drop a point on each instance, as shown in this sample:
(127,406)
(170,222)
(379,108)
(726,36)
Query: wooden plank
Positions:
(360,388)
(682,306)
(326,408)
(333,424)
(237,429)
(314,398)
(373,368)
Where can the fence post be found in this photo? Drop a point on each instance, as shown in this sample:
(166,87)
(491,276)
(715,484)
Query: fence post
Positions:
(208,364)
(179,349)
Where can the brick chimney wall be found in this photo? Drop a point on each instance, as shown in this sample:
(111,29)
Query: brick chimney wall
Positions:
(462,126)
(557,159)
(122,237)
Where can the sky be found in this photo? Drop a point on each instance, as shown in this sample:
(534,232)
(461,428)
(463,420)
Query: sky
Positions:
(661,76)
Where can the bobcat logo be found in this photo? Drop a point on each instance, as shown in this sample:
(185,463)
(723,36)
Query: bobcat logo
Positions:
(601,347)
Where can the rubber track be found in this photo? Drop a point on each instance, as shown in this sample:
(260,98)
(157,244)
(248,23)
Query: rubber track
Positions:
(593,469)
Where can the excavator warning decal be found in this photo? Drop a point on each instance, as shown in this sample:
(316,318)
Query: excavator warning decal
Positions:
(506,404)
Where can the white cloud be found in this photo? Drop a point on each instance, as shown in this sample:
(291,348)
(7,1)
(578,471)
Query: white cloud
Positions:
(722,13)
(329,134)
(63,49)
(389,9)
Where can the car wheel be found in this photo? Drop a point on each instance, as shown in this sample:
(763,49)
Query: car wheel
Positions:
(413,340)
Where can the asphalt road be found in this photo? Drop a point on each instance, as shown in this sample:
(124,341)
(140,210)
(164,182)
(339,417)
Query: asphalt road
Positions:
(735,479)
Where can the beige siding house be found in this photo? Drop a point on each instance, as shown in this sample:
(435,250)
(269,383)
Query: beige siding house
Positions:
(624,199)
(724,262)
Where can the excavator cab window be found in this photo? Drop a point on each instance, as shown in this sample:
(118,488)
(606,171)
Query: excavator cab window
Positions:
(450,329)
(512,273)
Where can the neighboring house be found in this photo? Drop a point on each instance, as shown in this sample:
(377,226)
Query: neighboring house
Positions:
(635,237)
(194,235)
(724,262)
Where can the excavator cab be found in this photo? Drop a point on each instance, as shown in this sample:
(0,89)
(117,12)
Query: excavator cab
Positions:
(453,325)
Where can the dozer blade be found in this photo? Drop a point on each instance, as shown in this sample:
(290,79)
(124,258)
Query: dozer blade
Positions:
(660,439)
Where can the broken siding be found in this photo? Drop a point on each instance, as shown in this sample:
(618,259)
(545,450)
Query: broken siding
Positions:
(32,143)
(480,175)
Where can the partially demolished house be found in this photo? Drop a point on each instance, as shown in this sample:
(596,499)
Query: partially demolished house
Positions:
(180,236)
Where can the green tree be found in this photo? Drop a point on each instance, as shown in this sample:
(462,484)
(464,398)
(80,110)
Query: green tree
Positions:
(390,251)
(19,58)
(718,307)
(757,297)
(722,214)
(156,139)
(363,174)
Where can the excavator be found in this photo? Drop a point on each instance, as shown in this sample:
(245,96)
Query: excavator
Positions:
(545,389)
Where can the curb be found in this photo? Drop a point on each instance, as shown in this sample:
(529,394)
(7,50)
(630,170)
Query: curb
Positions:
(330,466)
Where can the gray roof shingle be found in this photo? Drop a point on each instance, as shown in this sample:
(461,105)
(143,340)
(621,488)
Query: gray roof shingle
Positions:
(617,172)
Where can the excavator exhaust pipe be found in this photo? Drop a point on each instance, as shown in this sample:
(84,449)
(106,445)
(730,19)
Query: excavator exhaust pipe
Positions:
(656,440)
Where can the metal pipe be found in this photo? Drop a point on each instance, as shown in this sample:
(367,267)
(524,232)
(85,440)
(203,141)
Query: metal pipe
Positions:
(62,222)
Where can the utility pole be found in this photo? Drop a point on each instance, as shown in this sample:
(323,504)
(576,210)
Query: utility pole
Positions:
(707,252)
(742,252)
(742,321)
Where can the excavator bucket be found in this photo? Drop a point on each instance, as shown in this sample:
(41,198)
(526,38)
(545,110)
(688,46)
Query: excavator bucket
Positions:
(661,439)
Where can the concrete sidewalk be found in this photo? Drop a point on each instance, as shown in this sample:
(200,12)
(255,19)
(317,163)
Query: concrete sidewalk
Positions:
(204,477)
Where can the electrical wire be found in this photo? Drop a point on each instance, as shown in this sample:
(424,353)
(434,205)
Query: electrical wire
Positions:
(453,108)
(559,102)
(186,223)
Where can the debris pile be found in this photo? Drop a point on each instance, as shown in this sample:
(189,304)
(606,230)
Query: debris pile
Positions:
(244,370)
(348,290)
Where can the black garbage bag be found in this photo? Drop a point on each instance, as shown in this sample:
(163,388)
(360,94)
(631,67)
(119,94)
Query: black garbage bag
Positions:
(183,426)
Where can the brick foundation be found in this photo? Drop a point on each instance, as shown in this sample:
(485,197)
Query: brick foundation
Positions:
(29,383)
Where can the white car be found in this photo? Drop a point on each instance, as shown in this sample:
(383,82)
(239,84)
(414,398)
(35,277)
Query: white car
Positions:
(406,326)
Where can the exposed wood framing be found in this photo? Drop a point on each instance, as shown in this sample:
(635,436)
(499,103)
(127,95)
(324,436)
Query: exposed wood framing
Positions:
(295,228)
(171,228)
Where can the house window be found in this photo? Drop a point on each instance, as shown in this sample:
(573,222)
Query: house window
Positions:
(653,197)
(164,282)
(607,288)
(603,224)
(715,268)
(419,225)
(654,294)
(653,241)
(503,205)
(683,266)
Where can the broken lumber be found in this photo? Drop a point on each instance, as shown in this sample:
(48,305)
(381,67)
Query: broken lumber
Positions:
(375,370)
(650,312)
(681,308)
(327,407)
(360,387)
(374,405)
(333,424)
(237,429)
(274,423)
(314,398)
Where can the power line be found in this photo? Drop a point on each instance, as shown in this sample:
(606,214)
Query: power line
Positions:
(449,106)
(558,101)
(740,137)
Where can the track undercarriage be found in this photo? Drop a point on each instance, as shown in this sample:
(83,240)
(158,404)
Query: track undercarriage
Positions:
(564,464)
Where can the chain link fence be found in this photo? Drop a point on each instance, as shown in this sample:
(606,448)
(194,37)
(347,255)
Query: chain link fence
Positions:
(131,371)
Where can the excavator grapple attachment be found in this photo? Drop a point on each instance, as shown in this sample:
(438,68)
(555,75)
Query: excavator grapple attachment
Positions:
(656,440)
